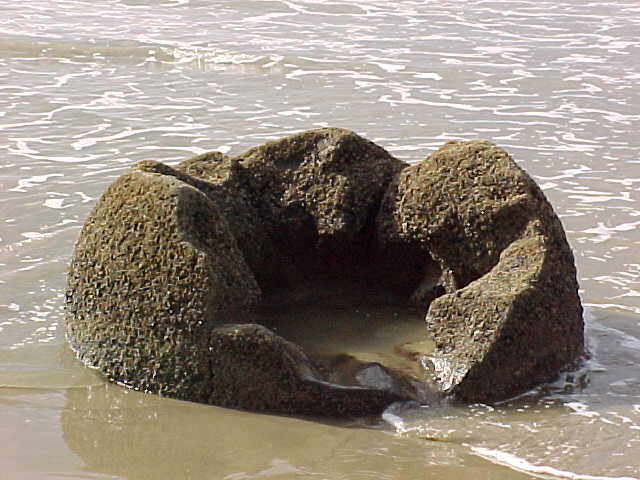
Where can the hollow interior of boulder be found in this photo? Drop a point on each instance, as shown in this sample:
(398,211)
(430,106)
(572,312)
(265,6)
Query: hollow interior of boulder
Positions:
(345,334)
(348,303)
(329,281)
(351,314)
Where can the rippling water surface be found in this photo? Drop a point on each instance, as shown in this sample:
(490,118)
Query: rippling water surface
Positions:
(89,88)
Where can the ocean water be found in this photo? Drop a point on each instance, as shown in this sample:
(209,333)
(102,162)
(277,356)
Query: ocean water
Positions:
(89,88)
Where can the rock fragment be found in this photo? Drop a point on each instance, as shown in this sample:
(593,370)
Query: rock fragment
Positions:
(511,317)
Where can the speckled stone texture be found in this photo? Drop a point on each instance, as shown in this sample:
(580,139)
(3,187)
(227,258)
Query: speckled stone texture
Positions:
(510,317)
(173,265)
(317,195)
(154,269)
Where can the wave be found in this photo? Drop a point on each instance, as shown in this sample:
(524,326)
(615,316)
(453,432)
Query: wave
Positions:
(541,471)
(134,51)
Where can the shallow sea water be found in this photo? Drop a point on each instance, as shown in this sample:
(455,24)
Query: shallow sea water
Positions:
(89,88)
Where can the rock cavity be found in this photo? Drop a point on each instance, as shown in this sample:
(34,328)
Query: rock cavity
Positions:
(176,269)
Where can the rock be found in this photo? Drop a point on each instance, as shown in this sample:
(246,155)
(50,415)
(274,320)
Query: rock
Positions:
(318,193)
(511,317)
(154,269)
(261,371)
(174,266)
(170,266)
(228,185)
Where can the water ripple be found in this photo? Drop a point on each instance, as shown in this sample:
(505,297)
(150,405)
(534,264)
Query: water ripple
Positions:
(90,88)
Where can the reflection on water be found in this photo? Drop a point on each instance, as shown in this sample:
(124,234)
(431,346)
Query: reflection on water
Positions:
(89,88)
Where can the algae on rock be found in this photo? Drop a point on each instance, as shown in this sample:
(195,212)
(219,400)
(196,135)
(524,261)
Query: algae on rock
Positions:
(318,194)
(173,266)
(511,317)
(145,285)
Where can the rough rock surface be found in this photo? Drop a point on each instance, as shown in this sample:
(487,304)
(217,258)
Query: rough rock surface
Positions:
(261,371)
(511,317)
(161,290)
(154,268)
(318,195)
(173,265)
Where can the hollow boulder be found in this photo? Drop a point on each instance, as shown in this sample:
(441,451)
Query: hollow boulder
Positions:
(174,264)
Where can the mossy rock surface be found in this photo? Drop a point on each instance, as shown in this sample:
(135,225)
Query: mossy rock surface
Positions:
(173,266)
(510,317)
(317,195)
(154,269)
